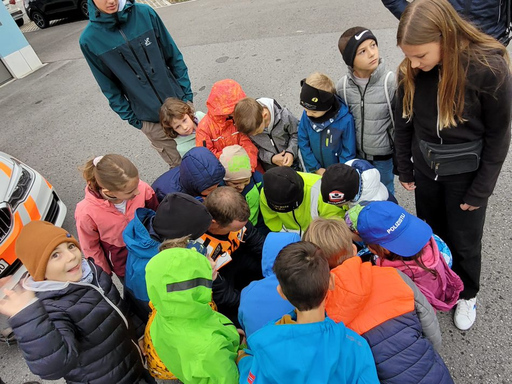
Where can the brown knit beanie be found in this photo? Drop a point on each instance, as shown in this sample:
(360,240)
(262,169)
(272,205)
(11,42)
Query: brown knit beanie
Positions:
(35,244)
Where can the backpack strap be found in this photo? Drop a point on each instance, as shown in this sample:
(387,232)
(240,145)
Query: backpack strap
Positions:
(388,101)
(345,89)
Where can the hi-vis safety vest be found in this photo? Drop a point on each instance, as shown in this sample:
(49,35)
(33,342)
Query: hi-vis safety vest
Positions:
(221,250)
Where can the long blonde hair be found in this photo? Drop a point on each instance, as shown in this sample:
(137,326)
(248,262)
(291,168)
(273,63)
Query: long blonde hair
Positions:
(429,21)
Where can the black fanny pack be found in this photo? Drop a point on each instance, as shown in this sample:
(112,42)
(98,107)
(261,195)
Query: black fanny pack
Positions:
(452,159)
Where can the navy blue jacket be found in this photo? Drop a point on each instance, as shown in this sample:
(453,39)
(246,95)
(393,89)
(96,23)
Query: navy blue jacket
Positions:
(80,332)
(488,15)
(199,170)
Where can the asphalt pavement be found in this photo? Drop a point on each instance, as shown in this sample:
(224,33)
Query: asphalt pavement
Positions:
(57,118)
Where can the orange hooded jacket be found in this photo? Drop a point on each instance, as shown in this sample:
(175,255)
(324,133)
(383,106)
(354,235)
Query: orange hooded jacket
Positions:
(366,296)
(216,130)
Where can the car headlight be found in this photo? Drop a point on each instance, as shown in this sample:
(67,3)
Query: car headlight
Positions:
(21,180)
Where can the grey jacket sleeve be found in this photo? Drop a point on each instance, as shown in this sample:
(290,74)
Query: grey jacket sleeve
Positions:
(290,126)
(426,314)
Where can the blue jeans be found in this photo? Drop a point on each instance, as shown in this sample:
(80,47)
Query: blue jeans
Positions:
(385,168)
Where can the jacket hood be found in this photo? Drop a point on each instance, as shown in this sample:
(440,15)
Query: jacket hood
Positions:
(366,296)
(199,170)
(96,16)
(224,96)
(136,236)
(179,283)
(274,242)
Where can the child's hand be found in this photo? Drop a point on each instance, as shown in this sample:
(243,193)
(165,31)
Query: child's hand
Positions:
(288,159)
(408,186)
(142,347)
(15,300)
(241,332)
(320,171)
(214,268)
(278,159)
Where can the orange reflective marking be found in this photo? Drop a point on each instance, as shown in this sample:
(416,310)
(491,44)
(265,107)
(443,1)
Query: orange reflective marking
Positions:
(7,248)
(31,207)
(6,169)
(47,183)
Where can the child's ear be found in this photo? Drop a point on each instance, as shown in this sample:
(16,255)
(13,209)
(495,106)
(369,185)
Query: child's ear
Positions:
(281,293)
(332,281)
(354,250)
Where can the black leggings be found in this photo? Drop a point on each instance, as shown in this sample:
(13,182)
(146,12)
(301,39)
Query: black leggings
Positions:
(438,203)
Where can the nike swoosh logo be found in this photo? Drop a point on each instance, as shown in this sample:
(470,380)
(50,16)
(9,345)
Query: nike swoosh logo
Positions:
(357,37)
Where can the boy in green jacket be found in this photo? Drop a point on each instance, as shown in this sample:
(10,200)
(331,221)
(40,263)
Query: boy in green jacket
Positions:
(291,200)
(195,343)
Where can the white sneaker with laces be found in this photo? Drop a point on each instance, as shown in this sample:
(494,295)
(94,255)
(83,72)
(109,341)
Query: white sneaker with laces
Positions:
(465,314)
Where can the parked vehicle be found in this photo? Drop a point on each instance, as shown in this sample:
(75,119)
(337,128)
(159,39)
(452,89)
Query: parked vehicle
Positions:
(41,12)
(15,11)
(25,195)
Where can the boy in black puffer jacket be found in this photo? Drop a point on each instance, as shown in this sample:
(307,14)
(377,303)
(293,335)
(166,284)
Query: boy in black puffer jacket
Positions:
(68,317)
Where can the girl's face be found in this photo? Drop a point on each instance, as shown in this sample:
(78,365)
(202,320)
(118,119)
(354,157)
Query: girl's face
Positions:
(65,263)
(423,56)
(184,126)
(128,192)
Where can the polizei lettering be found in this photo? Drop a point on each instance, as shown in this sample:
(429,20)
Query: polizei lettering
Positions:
(397,224)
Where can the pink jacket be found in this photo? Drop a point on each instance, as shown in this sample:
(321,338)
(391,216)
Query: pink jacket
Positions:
(100,227)
(441,292)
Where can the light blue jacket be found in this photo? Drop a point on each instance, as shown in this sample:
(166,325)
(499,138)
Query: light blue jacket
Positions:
(323,352)
(259,301)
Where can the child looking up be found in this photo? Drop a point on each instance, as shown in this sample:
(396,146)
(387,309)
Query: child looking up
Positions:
(326,128)
(217,130)
(405,242)
(68,317)
(369,91)
(272,128)
(112,194)
(195,343)
(179,122)
(305,346)
(384,306)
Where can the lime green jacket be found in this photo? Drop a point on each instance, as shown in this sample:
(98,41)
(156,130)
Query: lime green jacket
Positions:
(195,343)
(312,207)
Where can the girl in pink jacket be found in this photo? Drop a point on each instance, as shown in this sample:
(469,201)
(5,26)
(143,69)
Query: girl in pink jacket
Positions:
(113,193)
(402,241)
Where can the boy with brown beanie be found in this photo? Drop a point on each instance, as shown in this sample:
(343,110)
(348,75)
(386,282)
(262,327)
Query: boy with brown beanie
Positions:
(67,311)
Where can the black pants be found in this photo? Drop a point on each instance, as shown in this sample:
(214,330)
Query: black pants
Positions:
(438,203)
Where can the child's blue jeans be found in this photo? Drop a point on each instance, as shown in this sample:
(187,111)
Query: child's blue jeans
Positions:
(385,168)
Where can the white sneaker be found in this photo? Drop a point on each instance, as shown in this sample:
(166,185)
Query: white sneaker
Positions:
(465,314)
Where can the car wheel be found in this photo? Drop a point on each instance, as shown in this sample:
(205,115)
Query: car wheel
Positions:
(84,8)
(20,22)
(39,19)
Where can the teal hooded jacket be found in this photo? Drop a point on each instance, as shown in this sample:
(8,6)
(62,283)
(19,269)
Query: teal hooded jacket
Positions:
(135,61)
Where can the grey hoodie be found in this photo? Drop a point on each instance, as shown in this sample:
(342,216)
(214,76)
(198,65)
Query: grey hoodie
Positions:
(280,135)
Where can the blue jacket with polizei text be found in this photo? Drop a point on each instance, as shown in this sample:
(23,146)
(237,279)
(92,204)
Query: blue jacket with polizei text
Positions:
(135,61)
(330,142)
(199,170)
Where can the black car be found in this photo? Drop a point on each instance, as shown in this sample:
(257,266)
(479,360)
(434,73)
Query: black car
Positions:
(42,11)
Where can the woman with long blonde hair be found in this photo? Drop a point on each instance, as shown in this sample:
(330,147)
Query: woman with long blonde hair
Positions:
(452,130)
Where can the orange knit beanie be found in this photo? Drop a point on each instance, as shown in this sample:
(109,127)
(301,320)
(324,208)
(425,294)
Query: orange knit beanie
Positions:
(35,244)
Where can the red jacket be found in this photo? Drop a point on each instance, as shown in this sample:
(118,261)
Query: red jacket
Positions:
(216,130)
(100,227)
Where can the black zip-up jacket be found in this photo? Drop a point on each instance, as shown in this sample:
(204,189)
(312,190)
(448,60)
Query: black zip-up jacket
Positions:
(80,332)
(487,114)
